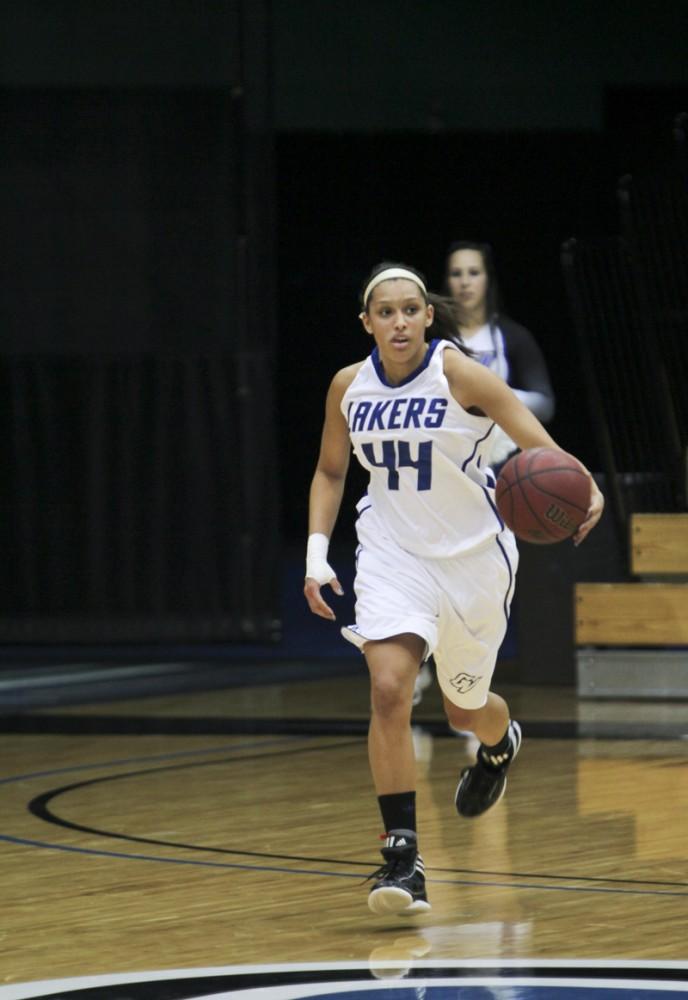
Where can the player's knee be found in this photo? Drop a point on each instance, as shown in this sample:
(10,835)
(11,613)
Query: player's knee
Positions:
(390,693)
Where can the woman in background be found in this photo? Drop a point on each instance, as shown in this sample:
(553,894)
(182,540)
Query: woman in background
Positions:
(499,343)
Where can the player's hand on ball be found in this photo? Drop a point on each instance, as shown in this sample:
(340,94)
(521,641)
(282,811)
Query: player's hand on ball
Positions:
(594,513)
(316,602)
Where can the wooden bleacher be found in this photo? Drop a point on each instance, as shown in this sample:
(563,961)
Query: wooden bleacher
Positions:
(659,544)
(650,611)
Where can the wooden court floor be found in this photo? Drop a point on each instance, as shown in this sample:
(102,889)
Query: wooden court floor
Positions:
(237,826)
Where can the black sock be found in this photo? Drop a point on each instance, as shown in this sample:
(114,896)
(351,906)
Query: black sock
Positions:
(499,755)
(398,811)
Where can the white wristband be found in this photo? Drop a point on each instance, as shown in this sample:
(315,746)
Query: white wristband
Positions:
(317,566)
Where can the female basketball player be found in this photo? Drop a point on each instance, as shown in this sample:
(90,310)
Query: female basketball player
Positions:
(435,564)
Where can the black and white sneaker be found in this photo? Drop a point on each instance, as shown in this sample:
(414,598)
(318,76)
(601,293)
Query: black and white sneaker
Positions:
(483,785)
(400,883)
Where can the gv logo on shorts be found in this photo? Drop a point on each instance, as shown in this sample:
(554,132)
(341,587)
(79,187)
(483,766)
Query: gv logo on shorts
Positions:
(464,682)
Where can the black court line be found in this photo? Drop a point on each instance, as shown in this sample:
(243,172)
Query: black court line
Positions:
(39,807)
(26,842)
(572,976)
(234,748)
(140,725)
(119,762)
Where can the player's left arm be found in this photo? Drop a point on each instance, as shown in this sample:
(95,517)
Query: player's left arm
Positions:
(475,387)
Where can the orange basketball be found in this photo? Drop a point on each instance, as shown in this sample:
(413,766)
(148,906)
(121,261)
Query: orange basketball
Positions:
(543,495)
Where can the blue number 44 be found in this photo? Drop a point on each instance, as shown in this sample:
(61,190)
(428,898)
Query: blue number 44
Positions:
(397,455)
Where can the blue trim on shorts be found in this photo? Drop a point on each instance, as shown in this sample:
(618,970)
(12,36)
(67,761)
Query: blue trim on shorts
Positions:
(493,505)
(502,527)
(512,579)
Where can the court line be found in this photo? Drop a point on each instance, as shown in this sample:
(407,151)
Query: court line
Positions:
(504,972)
(172,861)
(23,841)
(38,806)
(73,768)
(329,986)
(48,816)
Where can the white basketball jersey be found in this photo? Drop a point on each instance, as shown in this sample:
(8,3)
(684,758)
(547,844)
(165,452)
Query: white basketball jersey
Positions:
(426,455)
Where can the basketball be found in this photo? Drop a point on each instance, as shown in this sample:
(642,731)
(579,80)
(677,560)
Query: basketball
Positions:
(543,495)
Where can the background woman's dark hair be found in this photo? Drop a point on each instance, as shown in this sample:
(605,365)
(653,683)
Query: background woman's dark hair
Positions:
(493,303)
(445,323)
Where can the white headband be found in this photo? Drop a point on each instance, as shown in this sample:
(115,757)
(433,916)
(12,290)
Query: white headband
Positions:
(392,272)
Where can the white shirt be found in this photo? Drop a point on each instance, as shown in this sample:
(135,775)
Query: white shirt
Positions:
(426,455)
(487,345)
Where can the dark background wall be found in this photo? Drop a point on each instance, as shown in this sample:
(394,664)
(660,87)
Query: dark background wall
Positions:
(393,128)
(403,126)
(498,66)
(140,496)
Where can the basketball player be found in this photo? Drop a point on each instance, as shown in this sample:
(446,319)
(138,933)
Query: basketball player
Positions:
(435,564)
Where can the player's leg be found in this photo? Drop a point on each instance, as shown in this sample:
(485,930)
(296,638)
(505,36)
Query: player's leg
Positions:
(487,723)
(396,622)
(481,786)
(393,664)
(472,626)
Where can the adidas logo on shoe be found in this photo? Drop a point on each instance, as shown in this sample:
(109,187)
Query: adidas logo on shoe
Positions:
(400,882)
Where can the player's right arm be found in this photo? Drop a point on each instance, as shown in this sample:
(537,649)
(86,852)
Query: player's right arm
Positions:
(327,489)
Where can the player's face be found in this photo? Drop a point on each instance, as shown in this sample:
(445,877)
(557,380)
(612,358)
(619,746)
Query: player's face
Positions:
(467,279)
(397,318)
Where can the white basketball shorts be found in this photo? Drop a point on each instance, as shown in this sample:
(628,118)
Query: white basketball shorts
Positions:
(459,606)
